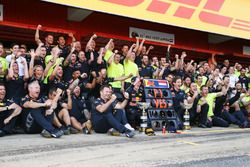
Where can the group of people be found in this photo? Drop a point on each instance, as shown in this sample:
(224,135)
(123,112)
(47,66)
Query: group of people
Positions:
(65,89)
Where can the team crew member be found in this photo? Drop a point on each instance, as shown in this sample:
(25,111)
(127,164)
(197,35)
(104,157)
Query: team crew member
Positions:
(102,114)
(9,111)
(15,82)
(49,39)
(61,108)
(133,112)
(129,66)
(79,116)
(3,64)
(146,70)
(209,98)
(116,70)
(179,97)
(38,114)
(197,111)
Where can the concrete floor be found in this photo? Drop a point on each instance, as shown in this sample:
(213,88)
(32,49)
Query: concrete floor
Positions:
(198,147)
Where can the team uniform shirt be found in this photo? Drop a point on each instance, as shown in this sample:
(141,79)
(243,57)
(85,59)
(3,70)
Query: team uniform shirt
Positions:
(115,71)
(50,71)
(15,89)
(96,116)
(83,67)
(244,81)
(68,71)
(48,49)
(138,61)
(93,65)
(64,51)
(78,105)
(5,114)
(146,71)
(4,64)
(107,55)
(56,83)
(178,98)
(134,98)
(210,98)
(19,61)
(27,98)
(130,68)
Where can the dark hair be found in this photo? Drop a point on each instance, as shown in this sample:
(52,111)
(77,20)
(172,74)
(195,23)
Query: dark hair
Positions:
(61,36)
(198,76)
(1,84)
(176,78)
(13,44)
(203,87)
(1,44)
(238,83)
(225,76)
(52,89)
(49,34)
(104,86)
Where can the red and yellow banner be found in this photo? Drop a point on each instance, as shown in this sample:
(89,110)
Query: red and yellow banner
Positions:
(226,17)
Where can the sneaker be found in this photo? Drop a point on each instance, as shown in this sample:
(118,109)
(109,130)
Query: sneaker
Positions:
(74,130)
(129,133)
(45,134)
(66,130)
(113,132)
(88,127)
(128,126)
(57,134)
(202,126)
(2,133)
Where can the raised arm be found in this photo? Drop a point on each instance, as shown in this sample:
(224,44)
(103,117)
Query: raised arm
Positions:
(37,37)
(31,65)
(99,59)
(149,49)
(214,60)
(183,55)
(130,51)
(66,62)
(88,46)
(111,58)
(138,50)
(168,53)
(108,44)
(26,71)
(11,72)
(71,35)
(177,62)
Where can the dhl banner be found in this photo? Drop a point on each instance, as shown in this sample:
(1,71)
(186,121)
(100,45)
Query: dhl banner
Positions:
(226,17)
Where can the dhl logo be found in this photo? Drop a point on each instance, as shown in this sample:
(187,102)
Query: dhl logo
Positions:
(227,17)
(209,15)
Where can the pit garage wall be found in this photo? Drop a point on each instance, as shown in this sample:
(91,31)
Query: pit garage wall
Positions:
(30,13)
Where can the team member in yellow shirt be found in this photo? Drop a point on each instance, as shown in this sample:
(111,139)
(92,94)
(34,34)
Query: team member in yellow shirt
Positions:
(130,67)
(116,70)
(209,98)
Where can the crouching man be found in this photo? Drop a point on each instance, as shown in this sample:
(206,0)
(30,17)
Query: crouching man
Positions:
(8,113)
(102,116)
(38,113)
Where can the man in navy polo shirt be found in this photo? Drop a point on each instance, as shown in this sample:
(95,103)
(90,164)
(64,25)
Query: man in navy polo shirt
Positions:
(103,118)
